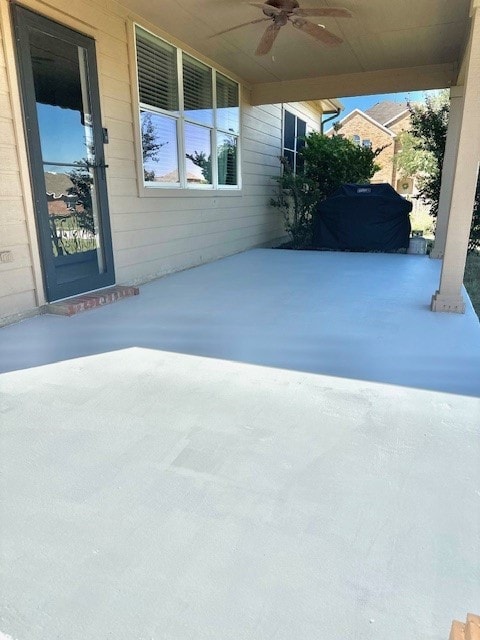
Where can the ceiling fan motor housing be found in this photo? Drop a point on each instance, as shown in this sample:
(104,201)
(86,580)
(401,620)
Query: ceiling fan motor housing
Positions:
(284,5)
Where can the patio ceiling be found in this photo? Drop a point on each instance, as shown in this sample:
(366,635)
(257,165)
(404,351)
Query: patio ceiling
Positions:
(400,45)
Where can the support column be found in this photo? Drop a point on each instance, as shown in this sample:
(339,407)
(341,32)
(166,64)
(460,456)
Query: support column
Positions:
(448,170)
(449,295)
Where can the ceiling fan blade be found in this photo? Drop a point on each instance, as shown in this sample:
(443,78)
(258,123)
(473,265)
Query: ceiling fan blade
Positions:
(271,11)
(319,33)
(267,39)
(239,26)
(326,12)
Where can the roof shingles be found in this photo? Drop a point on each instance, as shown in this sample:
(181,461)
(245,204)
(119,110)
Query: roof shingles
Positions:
(386,110)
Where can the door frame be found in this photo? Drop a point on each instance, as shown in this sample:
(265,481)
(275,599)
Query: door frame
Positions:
(24,18)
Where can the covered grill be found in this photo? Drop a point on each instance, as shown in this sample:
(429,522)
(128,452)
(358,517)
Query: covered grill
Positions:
(363,217)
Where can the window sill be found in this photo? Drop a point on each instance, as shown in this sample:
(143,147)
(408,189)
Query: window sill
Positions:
(165,192)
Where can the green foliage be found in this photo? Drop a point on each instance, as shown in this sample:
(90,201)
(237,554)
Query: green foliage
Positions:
(82,181)
(429,127)
(412,161)
(296,200)
(429,123)
(471,279)
(200,159)
(328,163)
(333,161)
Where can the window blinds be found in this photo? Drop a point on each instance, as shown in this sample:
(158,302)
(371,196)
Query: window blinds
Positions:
(197,85)
(157,72)
(228,111)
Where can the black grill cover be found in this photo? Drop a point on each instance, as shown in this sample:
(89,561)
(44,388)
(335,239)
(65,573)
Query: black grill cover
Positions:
(363,217)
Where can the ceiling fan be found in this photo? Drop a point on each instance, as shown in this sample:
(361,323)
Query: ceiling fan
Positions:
(279,12)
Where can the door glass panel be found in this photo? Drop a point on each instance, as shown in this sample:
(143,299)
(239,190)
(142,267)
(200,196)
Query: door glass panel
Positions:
(73,213)
(61,92)
(60,76)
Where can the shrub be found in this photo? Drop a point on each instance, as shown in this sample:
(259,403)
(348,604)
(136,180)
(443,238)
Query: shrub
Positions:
(296,199)
(328,163)
(333,161)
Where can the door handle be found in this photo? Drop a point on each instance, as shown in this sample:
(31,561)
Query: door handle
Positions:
(102,166)
(98,165)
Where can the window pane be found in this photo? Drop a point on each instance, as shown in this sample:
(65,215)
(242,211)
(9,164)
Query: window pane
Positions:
(289,131)
(198,151)
(290,158)
(228,110)
(159,148)
(299,164)
(367,143)
(301,133)
(197,91)
(157,72)
(227,159)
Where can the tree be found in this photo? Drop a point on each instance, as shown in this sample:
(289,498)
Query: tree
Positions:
(150,145)
(204,162)
(429,127)
(429,123)
(411,161)
(226,163)
(328,163)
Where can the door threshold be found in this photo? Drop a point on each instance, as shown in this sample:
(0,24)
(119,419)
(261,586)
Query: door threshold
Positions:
(90,300)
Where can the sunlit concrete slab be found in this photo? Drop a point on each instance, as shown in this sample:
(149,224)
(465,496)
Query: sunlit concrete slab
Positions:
(277,445)
(154,495)
(360,316)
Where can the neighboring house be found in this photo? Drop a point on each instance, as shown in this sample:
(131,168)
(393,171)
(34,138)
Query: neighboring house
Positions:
(172,166)
(379,127)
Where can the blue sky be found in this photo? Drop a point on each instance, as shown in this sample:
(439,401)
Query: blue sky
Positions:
(365,102)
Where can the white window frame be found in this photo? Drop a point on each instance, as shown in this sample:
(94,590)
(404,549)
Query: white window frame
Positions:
(147,188)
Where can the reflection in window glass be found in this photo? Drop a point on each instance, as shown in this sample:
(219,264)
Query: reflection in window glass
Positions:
(289,158)
(227,159)
(73,210)
(301,133)
(188,138)
(198,152)
(289,131)
(228,111)
(159,148)
(294,132)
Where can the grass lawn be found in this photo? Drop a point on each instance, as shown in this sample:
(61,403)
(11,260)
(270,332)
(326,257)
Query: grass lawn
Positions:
(471,279)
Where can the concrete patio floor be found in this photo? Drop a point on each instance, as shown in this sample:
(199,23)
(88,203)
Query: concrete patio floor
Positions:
(278,445)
